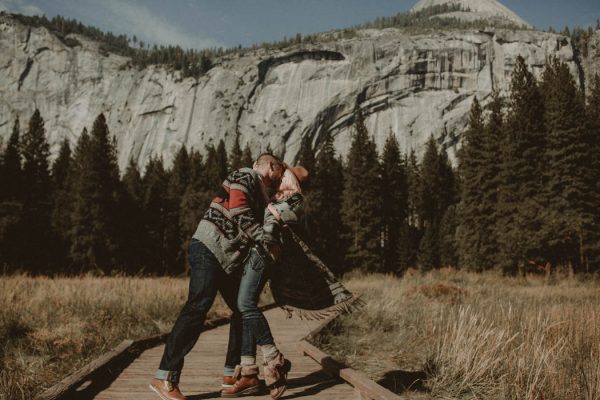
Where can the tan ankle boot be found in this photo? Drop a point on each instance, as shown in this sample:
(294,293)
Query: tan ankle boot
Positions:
(247,383)
(275,372)
(166,390)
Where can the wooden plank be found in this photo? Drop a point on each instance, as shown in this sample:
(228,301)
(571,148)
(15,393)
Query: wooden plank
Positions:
(76,379)
(359,380)
(81,375)
(203,367)
(331,366)
(72,381)
(365,387)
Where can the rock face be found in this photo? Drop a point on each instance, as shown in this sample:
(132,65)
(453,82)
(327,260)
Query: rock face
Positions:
(477,9)
(411,85)
(591,61)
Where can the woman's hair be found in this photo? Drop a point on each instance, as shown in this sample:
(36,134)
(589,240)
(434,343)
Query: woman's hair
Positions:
(289,185)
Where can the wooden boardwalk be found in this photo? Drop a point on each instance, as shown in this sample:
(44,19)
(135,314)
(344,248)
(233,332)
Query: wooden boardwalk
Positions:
(203,370)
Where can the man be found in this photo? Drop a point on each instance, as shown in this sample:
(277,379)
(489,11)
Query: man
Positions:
(219,248)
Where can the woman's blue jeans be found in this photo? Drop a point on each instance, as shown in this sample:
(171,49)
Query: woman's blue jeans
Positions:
(256,330)
(206,278)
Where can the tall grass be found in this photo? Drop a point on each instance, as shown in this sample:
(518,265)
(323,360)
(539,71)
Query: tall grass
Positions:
(52,327)
(476,336)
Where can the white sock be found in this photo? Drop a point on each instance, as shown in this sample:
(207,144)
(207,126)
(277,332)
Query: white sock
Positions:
(269,352)
(248,360)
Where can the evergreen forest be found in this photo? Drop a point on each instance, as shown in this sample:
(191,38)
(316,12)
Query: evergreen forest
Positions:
(524,195)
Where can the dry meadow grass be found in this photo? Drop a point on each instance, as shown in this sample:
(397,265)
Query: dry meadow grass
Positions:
(52,327)
(468,335)
(474,336)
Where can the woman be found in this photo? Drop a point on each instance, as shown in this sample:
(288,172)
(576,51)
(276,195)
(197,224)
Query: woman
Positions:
(286,208)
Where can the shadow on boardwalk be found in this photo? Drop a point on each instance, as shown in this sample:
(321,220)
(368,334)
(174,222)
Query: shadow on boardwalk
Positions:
(202,373)
(310,385)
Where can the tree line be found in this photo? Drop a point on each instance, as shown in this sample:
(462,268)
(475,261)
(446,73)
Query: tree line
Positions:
(191,62)
(195,63)
(525,194)
(78,214)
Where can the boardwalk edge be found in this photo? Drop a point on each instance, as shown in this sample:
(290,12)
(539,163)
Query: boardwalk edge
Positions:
(108,361)
(367,388)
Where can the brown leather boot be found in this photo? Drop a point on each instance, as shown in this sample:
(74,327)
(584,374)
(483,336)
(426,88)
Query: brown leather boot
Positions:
(275,372)
(229,381)
(166,390)
(247,384)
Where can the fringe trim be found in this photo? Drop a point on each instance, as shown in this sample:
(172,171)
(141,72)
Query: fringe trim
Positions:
(345,307)
(345,302)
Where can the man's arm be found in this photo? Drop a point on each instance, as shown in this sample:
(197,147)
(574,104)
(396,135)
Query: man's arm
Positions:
(244,192)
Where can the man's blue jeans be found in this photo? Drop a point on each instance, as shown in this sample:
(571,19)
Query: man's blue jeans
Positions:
(206,278)
(256,329)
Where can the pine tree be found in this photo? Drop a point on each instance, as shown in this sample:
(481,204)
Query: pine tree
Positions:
(411,234)
(447,237)
(323,200)
(62,201)
(81,221)
(394,202)
(593,117)
(215,166)
(198,176)
(479,169)
(96,228)
(36,199)
(413,178)
(312,198)
(12,236)
(490,183)
(428,207)
(471,159)
(155,182)
(437,193)
(12,168)
(361,206)
(196,199)
(447,184)
(61,166)
(569,169)
(429,247)
(179,179)
(36,170)
(180,173)
(247,158)
(135,254)
(306,155)
(236,156)
(519,194)
(221,162)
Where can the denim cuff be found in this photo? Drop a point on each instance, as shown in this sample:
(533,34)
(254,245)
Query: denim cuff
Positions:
(228,371)
(171,376)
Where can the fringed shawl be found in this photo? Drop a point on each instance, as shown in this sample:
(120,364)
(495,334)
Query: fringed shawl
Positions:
(301,283)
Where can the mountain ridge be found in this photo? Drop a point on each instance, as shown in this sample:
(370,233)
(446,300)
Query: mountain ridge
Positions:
(474,9)
(415,85)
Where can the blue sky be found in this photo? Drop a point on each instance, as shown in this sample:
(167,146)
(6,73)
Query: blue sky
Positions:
(213,23)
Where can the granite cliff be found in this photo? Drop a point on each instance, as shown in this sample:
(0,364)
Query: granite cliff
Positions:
(412,84)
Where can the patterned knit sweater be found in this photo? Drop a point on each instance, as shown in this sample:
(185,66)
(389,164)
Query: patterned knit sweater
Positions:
(234,221)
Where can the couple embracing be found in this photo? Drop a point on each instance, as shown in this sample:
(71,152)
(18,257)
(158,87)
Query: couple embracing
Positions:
(241,242)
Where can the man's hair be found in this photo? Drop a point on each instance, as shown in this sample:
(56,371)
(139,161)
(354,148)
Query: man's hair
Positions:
(266,157)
